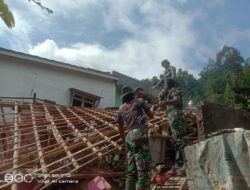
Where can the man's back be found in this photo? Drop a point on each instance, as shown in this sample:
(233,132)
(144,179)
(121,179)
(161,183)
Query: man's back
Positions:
(133,115)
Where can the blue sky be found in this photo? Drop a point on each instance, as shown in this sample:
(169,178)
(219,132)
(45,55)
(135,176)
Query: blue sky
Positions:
(129,36)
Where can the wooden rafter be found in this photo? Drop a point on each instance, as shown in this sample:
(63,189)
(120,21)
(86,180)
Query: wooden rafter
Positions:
(46,138)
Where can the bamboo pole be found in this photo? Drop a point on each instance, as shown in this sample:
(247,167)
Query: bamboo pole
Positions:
(66,157)
(84,139)
(86,163)
(38,143)
(59,138)
(3,114)
(50,146)
(16,146)
(101,125)
(96,130)
(98,119)
(2,134)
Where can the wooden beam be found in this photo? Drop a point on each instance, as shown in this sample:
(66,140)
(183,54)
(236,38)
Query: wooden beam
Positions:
(38,143)
(58,137)
(16,146)
(96,130)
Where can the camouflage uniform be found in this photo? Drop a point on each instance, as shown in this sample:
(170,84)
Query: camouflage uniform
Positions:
(177,121)
(137,145)
(169,73)
(138,160)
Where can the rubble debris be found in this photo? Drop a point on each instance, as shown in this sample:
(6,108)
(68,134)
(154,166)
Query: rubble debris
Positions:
(161,178)
(99,183)
(174,183)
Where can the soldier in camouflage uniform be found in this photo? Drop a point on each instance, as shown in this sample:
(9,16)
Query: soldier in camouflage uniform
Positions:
(169,73)
(132,115)
(174,108)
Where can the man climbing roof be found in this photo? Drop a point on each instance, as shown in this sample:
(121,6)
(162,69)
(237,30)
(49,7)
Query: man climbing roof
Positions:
(169,73)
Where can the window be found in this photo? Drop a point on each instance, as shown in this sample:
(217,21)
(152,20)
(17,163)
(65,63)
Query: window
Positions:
(76,102)
(88,103)
(83,99)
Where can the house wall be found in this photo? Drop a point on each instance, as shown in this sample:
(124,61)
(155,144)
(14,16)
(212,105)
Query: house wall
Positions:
(118,100)
(19,78)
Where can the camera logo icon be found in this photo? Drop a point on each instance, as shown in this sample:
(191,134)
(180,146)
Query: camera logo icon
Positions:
(8,178)
(18,178)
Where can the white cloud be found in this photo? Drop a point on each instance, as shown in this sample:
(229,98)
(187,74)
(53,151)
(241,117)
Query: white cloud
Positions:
(29,19)
(156,31)
(139,58)
(162,33)
(18,36)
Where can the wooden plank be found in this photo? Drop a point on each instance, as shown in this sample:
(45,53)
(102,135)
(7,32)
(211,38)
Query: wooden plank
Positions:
(96,130)
(94,117)
(184,185)
(38,143)
(63,122)
(84,139)
(59,138)
(16,146)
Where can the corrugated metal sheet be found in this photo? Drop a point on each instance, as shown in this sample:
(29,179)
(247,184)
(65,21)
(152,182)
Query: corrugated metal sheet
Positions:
(220,162)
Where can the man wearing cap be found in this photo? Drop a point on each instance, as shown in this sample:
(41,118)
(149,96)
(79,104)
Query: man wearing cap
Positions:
(169,73)
(174,109)
(132,114)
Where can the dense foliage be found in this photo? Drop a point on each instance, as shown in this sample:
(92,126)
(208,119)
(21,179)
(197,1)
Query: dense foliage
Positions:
(224,80)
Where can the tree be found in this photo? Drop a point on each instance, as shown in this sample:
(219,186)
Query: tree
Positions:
(6,14)
(8,17)
(153,81)
(223,78)
(49,11)
(230,60)
(189,86)
(241,89)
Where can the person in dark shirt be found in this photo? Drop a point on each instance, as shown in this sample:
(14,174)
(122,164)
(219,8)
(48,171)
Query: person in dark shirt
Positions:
(132,116)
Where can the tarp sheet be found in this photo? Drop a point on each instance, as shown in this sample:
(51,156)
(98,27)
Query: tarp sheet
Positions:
(221,162)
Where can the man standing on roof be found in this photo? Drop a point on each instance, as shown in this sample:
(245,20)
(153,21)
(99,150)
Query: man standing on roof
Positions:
(132,115)
(174,109)
(169,73)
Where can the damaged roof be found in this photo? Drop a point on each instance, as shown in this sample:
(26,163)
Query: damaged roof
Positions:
(39,139)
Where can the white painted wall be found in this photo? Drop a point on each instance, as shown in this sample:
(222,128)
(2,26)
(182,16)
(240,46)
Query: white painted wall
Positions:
(18,78)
